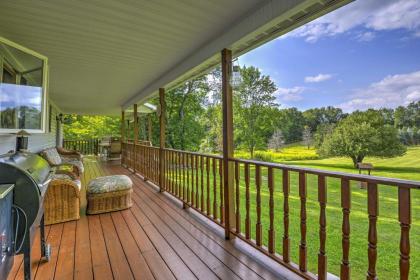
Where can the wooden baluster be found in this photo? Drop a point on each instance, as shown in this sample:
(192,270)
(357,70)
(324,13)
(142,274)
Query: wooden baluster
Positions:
(214,190)
(322,255)
(247,204)
(184,179)
(179,175)
(192,180)
(153,156)
(135,159)
(172,172)
(373,212)
(164,169)
(175,165)
(197,186)
(202,182)
(237,202)
(156,167)
(187,156)
(302,247)
(222,205)
(208,185)
(144,159)
(404,217)
(148,163)
(156,153)
(345,204)
(286,239)
(271,231)
(258,226)
(140,160)
(151,164)
(156,171)
(182,174)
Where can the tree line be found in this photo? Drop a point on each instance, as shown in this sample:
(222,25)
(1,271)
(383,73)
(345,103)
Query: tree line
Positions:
(194,121)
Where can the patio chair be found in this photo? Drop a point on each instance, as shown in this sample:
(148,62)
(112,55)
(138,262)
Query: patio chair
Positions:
(70,160)
(69,153)
(62,199)
(115,149)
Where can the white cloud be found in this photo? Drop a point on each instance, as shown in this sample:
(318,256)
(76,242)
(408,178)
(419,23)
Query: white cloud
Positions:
(414,96)
(289,94)
(318,78)
(374,15)
(366,36)
(392,91)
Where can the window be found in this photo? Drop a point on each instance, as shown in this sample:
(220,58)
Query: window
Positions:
(22,89)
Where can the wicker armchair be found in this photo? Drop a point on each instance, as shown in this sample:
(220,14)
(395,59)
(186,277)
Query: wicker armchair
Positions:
(54,159)
(62,200)
(69,153)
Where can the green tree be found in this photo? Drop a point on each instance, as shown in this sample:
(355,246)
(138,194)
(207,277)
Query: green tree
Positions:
(363,134)
(88,127)
(321,116)
(322,132)
(291,122)
(185,109)
(253,101)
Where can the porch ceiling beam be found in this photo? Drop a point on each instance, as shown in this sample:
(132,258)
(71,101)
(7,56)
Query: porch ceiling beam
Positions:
(271,19)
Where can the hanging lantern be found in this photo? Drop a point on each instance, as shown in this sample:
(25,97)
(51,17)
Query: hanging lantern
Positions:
(236,75)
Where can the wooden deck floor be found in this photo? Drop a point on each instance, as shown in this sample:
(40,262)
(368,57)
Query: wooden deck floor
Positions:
(155,239)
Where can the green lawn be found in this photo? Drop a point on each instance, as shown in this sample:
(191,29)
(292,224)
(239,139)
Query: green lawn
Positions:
(405,167)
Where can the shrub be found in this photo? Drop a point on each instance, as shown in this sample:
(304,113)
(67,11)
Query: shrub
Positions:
(263,156)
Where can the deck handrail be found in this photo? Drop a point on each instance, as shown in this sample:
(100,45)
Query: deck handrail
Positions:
(84,146)
(336,174)
(196,179)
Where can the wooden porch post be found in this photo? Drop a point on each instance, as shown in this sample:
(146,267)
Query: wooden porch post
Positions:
(122,136)
(136,136)
(162,115)
(228,168)
(149,124)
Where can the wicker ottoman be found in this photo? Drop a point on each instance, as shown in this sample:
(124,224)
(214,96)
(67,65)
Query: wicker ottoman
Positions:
(109,193)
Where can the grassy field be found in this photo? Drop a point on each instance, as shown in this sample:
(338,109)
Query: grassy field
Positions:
(405,167)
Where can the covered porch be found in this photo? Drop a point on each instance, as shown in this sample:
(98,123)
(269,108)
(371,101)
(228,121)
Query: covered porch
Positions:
(195,216)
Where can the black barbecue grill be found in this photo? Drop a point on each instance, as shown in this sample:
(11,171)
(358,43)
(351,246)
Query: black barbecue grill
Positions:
(30,175)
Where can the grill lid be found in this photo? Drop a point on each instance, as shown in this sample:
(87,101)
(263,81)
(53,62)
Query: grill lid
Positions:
(33,164)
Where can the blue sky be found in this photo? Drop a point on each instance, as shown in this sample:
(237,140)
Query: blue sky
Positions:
(366,54)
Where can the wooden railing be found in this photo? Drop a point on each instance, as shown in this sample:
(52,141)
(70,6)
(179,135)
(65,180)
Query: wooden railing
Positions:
(197,180)
(86,147)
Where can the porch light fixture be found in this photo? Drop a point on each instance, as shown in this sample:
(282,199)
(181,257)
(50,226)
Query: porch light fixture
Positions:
(22,140)
(236,79)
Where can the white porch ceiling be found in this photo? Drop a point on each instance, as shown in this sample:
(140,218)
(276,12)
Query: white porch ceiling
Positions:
(107,54)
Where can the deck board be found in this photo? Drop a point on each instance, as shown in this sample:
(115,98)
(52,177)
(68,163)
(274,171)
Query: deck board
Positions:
(155,239)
